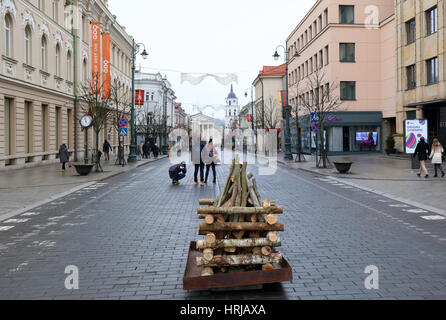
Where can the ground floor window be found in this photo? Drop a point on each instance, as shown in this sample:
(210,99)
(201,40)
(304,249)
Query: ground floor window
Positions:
(367,138)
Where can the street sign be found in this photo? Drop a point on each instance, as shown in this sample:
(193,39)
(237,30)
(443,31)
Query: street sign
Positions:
(123,132)
(315,128)
(314,117)
(123,123)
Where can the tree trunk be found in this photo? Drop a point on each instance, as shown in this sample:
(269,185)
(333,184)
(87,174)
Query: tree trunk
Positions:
(238,226)
(239,260)
(241,210)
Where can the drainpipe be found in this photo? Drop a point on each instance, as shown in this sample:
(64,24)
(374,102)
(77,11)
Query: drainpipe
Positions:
(74,34)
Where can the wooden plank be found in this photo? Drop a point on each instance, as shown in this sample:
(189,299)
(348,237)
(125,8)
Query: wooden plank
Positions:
(241,210)
(236,243)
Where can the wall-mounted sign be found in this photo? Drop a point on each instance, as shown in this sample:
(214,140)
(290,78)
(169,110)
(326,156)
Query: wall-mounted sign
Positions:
(139,97)
(415,129)
(334,118)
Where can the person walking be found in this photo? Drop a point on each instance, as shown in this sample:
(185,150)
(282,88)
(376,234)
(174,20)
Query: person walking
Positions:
(177,172)
(64,156)
(106,148)
(437,157)
(145,150)
(422,151)
(156,151)
(210,160)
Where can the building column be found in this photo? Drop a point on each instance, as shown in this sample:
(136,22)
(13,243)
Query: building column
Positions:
(2,130)
(37,130)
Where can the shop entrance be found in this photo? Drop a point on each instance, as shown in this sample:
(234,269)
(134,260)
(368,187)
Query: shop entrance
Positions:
(346,138)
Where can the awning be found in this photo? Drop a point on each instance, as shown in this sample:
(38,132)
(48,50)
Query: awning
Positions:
(414,105)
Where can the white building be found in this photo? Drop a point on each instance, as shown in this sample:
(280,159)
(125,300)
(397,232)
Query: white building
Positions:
(159,101)
(232,110)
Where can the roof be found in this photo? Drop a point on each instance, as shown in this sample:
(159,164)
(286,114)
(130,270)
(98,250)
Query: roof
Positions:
(273,70)
(232,94)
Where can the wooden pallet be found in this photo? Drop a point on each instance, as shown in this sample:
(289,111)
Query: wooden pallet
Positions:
(192,279)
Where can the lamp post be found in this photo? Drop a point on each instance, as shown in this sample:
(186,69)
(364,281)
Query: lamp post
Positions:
(144,54)
(276,56)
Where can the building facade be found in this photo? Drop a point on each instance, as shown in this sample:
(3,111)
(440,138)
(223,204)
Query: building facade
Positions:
(159,103)
(421,78)
(44,59)
(350,47)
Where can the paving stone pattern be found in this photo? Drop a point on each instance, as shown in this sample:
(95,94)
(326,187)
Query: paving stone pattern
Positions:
(129,237)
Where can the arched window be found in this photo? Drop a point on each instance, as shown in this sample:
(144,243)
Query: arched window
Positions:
(43,53)
(58,60)
(28,45)
(69,66)
(8,36)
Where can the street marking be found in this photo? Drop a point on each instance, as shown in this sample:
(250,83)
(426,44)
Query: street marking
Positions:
(6,228)
(416,211)
(434,218)
(398,205)
(30,214)
(16,220)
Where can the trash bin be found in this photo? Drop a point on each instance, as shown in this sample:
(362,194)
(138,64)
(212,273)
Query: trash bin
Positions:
(415,163)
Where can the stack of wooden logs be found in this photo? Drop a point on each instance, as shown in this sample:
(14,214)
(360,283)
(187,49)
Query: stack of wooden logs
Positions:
(240,228)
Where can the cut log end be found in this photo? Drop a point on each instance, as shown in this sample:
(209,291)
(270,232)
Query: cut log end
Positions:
(266,251)
(208,254)
(272,236)
(271,219)
(209,219)
(211,238)
(206,272)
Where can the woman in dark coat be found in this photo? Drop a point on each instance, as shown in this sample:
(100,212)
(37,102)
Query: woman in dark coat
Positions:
(64,156)
(422,151)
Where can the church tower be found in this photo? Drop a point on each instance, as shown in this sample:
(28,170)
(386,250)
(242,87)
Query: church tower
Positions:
(232,110)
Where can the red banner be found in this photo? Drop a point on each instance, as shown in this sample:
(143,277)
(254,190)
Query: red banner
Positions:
(249,117)
(139,97)
(96,49)
(106,78)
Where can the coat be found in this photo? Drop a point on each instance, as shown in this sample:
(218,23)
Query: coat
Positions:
(176,169)
(107,147)
(437,155)
(64,156)
(422,151)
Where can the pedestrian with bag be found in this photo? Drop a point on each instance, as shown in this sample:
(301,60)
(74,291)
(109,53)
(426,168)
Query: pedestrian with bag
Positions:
(422,151)
(64,156)
(437,157)
(106,148)
(210,160)
(177,172)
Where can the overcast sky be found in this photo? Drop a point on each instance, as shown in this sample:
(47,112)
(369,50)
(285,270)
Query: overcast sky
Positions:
(209,36)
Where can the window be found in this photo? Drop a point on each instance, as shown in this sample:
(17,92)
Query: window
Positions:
(327,57)
(348,90)
(28,45)
(58,60)
(40,4)
(8,36)
(320,23)
(311,66)
(410,31)
(431,21)
(347,52)
(55,9)
(7,126)
(84,70)
(326,16)
(69,66)
(43,53)
(411,77)
(432,70)
(347,14)
(321,59)
(306,37)
(310,31)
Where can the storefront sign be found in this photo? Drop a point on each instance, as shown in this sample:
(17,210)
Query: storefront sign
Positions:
(415,129)
(334,118)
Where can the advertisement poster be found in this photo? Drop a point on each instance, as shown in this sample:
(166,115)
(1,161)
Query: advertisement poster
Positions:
(95,48)
(106,77)
(415,129)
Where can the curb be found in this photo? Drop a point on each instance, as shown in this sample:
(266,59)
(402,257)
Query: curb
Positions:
(17,212)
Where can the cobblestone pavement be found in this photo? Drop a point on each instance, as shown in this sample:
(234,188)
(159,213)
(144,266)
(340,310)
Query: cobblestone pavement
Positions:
(129,237)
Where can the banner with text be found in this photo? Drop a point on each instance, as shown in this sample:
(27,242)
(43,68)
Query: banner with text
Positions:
(106,78)
(96,49)
(415,129)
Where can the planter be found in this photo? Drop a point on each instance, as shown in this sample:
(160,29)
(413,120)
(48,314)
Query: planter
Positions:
(343,166)
(83,169)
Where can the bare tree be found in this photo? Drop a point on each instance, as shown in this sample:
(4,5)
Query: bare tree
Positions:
(269,116)
(121,104)
(320,98)
(150,121)
(295,111)
(98,106)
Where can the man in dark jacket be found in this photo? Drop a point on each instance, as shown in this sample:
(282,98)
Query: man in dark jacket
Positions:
(199,165)
(177,172)
(106,148)
(64,156)
(422,151)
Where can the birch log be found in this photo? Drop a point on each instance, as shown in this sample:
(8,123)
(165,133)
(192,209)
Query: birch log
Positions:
(240,210)
(239,260)
(204,228)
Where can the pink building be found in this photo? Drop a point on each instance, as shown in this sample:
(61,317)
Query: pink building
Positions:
(352,44)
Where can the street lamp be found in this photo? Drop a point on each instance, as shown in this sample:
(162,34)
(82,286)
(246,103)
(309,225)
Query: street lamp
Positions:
(135,50)
(276,56)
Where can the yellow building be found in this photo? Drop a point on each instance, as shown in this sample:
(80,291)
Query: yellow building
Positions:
(42,63)
(421,82)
